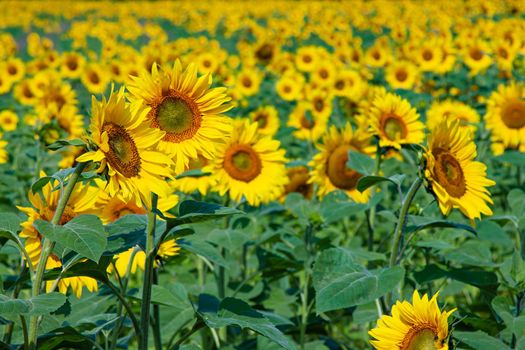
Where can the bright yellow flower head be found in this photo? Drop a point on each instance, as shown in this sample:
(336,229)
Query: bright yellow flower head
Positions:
(505,115)
(395,121)
(186,109)
(330,172)
(126,148)
(8,120)
(249,165)
(439,111)
(419,325)
(457,180)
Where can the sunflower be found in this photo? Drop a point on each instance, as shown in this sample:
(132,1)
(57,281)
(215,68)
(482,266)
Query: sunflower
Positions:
(8,120)
(429,56)
(505,115)
(395,121)
(306,58)
(308,127)
(125,149)
(14,69)
(5,84)
(186,109)
(350,84)
(72,65)
(298,182)
(249,165)
(417,325)
(330,172)
(452,174)
(248,81)
(476,56)
(401,75)
(438,111)
(43,208)
(122,260)
(267,119)
(289,86)
(95,78)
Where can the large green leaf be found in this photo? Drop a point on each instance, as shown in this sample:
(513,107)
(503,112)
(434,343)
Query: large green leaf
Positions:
(360,162)
(235,312)
(10,223)
(341,282)
(336,206)
(191,211)
(368,181)
(480,340)
(203,248)
(40,305)
(84,235)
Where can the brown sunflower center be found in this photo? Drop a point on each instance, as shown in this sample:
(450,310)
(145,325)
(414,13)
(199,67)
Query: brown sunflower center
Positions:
(339,174)
(427,55)
(513,114)
(323,73)
(340,84)
(94,78)
(265,52)
(394,127)
(261,119)
(401,75)
(476,54)
(307,58)
(12,70)
(299,182)
(450,174)
(122,154)
(72,63)
(420,339)
(178,116)
(242,163)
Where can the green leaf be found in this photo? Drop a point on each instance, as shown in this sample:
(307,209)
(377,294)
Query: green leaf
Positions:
(512,157)
(84,235)
(235,312)
(229,239)
(335,207)
(200,247)
(478,278)
(366,182)
(360,162)
(480,340)
(192,173)
(431,223)
(191,211)
(9,223)
(64,143)
(40,305)
(341,282)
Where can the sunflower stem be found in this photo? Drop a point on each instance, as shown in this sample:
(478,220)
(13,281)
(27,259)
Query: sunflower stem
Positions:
(48,248)
(372,213)
(148,274)
(398,233)
(304,297)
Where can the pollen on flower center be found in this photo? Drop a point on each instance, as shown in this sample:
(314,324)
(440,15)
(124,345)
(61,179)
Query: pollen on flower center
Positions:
(123,154)
(339,174)
(513,114)
(393,127)
(420,339)
(450,174)
(178,116)
(242,163)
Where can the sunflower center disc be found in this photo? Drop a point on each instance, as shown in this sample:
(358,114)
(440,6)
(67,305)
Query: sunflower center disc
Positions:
(513,114)
(123,154)
(394,128)
(339,174)
(174,115)
(262,120)
(401,75)
(450,175)
(423,340)
(242,163)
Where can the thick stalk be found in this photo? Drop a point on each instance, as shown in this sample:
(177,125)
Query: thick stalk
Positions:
(304,299)
(48,248)
(398,233)
(148,274)
(157,337)
(372,213)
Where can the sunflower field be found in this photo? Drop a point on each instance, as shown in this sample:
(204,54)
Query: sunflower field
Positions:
(260,175)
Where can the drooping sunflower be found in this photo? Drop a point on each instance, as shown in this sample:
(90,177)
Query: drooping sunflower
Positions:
(267,119)
(456,179)
(186,109)
(505,115)
(43,208)
(395,121)
(413,326)
(126,149)
(249,165)
(329,170)
(298,182)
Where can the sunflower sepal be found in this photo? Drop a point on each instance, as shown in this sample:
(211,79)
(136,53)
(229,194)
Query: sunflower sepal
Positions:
(55,146)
